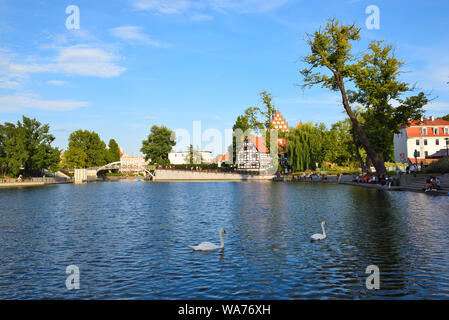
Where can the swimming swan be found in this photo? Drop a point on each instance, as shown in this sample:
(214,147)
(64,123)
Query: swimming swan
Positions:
(319,236)
(208,246)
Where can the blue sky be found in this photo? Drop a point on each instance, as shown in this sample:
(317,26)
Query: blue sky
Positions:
(135,63)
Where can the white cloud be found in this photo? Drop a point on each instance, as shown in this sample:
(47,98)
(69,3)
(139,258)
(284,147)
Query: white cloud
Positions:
(163,6)
(133,34)
(247,6)
(198,17)
(14,103)
(184,6)
(6,83)
(437,106)
(80,60)
(57,82)
(87,61)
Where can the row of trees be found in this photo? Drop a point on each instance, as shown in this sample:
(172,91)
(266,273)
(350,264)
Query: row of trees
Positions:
(86,149)
(310,145)
(25,148)
(376,101)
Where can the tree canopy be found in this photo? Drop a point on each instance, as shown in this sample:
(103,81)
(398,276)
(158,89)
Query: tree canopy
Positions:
(113,152)
(86,149)
(26,146)
(158,144)
(374,84)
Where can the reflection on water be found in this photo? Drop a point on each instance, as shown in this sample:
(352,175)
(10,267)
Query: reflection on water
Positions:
(130,240)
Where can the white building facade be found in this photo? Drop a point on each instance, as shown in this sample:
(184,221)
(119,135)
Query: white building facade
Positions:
(132,164)
(183,157)
(426,137)
(253,155)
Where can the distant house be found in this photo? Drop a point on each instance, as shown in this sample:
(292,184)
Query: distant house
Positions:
(183,157)
(420,140)
(132,164)
(221,158)
(253,155)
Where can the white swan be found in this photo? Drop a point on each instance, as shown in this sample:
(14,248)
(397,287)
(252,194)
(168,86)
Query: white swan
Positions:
(319,236)
(208,246)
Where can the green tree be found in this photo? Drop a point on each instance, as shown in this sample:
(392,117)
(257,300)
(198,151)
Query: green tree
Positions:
(339,141)
(259,118)
(3,162)
(86,149)
(13,151)
(113,152)
(27,146)
(446,117)
(305,147)
(374,79)
(158,144)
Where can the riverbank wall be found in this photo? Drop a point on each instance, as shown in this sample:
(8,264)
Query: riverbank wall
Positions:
(33,182)
(194,175)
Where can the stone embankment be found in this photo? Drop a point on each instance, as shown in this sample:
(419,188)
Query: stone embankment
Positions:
(202,175)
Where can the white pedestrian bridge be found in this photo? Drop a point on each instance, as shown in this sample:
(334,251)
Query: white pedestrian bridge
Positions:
(82,174)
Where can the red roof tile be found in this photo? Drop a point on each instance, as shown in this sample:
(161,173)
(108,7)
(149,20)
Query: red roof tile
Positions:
(414,130)
(259,142)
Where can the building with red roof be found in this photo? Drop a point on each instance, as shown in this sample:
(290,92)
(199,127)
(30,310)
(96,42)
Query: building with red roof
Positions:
(253,154)
(278,122)
(426,137)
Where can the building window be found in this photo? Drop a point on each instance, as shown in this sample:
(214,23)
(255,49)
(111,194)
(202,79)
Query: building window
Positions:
(426,153)
(446,130)
(424,131)
(437,142)
(425,142)
(419,154)
(435,131)
(417,142)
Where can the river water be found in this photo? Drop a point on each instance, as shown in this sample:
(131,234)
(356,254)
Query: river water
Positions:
(130,241)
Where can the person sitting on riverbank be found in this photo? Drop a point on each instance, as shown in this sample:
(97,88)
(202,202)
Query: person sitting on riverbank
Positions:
(356,179)
(366,178)
(388,181)
(435,183)
(438,183)
(428,185)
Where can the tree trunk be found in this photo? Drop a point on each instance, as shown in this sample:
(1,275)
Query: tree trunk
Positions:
(359,157)
(375,159)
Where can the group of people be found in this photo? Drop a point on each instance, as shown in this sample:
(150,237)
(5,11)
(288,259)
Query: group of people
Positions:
(432,184)
(366,178)
(412,169)
(309,177)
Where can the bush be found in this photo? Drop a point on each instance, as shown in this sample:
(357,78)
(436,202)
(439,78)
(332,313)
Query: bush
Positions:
(440,166)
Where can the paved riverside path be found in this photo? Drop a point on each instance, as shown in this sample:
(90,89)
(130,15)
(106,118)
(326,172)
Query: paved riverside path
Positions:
(32,182)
